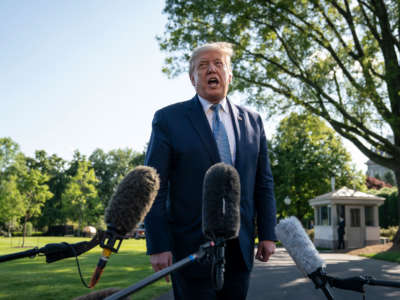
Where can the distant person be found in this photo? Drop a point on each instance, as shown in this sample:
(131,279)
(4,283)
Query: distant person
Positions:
(341,233)
(187,139)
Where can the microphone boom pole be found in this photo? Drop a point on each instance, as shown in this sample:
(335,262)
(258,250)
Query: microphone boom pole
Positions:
(57,251)
(204,251)
(29,253)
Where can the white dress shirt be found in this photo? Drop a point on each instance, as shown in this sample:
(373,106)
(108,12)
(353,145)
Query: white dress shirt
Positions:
(225,117)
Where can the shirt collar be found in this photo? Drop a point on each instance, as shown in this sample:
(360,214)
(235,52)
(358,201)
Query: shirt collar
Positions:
(206,104)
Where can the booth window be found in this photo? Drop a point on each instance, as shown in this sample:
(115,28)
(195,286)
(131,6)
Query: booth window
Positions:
(355,217)
(324,215)
(369,216)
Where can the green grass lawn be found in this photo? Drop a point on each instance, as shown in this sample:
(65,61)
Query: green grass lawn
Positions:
(393,256)
(27,278)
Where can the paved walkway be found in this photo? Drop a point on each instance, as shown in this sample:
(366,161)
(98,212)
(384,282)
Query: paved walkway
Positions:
(279,279)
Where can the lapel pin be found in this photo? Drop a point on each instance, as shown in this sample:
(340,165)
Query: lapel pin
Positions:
(239,118)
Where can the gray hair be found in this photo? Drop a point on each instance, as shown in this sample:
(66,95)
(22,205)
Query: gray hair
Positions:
(224,47)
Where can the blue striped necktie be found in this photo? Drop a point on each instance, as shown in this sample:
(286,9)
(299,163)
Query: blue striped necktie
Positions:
(221,136)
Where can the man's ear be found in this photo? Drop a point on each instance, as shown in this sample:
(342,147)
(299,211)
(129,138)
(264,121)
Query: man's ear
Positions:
(230,77)
(192,80)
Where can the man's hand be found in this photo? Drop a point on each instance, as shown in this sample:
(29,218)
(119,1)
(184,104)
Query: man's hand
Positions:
(265,250)
(160,261)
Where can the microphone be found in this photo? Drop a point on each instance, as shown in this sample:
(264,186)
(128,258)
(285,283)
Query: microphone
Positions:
(128,206)
(220,213)
(221,202)
(294,238)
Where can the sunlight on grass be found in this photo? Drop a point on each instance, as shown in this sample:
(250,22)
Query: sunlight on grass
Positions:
(393,256)
(33,278)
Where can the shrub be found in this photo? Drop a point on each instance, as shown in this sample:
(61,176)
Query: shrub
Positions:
(34,233)
(29,229)
(388,211)
(389,232)
(310,233)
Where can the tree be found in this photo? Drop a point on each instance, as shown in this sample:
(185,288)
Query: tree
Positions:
(8,151)
(55,168)
(111,167)
(10,197)
(11,201)
(376,184)
(35,192)
(305,155)
(388,178)
(80,199)
(336,59)
(388,211)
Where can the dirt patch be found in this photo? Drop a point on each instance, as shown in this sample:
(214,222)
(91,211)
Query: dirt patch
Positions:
(370,249)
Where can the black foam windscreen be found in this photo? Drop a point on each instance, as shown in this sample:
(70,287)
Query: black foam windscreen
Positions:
(221,202)
(133,199)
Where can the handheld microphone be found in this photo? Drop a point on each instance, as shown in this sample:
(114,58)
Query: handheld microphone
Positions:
(220,213)
(294,238)
(128,206)
(221,202)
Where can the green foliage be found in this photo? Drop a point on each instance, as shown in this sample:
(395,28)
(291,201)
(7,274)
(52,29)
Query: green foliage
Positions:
(55,168)
(33,187)
(47,190)
(34,279)
(34,190)
(336,60)
(80,199)
(388,212)
(11,200)
(305,154)
(8,151)
(389,232)
(32,233)
(111,167)
(29,228)
(389,178)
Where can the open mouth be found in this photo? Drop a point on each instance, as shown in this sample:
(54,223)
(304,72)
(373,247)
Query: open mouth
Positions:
(213,82)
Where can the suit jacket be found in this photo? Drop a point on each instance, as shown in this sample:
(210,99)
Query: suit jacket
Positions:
(181,149)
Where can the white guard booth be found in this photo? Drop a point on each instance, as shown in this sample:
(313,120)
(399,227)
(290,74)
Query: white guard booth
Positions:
(358,209)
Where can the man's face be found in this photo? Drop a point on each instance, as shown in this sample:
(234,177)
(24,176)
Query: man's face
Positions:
(211,75)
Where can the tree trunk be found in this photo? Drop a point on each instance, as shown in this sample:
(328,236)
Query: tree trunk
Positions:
(9,227)
(396,239)
(80,223)
(24,232)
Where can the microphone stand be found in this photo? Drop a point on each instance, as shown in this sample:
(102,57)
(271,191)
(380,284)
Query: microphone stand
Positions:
(319,278)
(218,264)
(29,253)
(55,251)
(356,284)
(205,251)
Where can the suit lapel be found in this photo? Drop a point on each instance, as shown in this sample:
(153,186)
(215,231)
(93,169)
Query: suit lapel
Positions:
(200,123)
(240,132)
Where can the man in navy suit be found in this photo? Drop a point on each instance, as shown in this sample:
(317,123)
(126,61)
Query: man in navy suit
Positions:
(182,147)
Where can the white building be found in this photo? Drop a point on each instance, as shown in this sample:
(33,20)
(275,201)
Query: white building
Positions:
(375,169)
(360,212)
